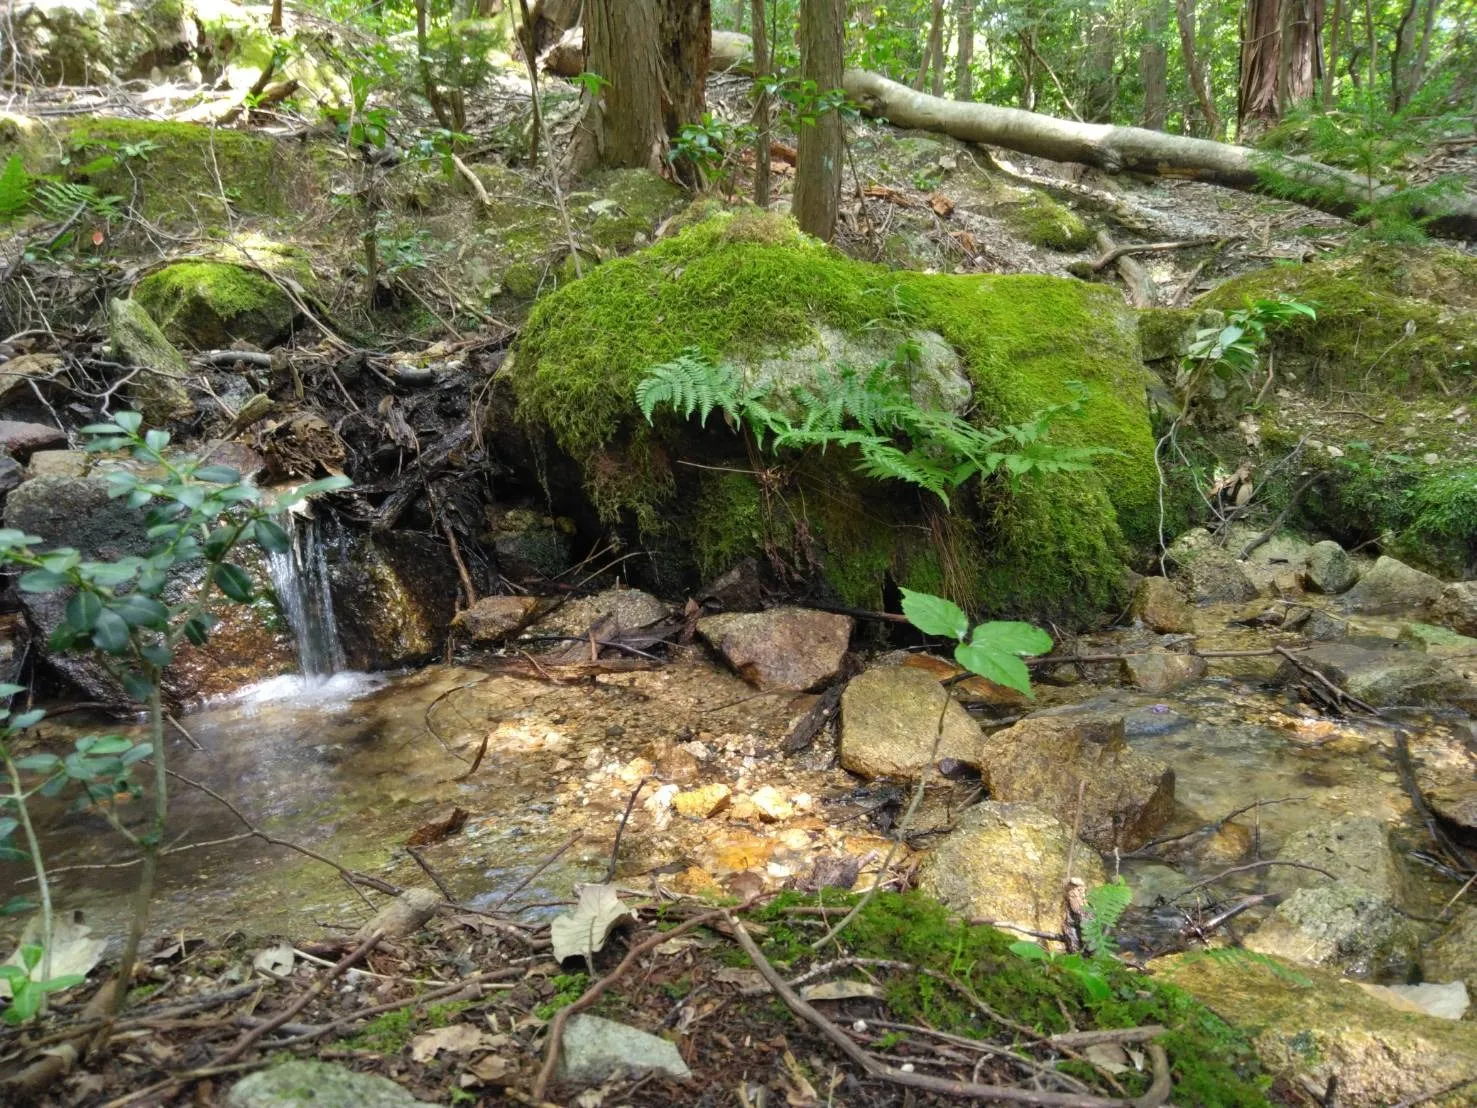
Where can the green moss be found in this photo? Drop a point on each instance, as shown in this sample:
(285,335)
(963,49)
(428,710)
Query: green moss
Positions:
(745,287)
(1041,221)
(211,304)
(1212,1063)
(1166,332)
(392,1032)
(1393,319)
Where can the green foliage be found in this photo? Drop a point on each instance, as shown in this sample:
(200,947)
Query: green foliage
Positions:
(15,188)
(1231,353)
(28,995)
(1105,907)
(1093,968)
(896,438)
(993,649)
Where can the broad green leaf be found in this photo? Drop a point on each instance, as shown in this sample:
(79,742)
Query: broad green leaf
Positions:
(141,611)
(10,537)
(1029,951)
(272,538)
(994,665)
(197,630)
(38,763)
(129,421)
(83,610)
(1012,637)
(103,744)
(110,633)
(41,580)
(218,543)
(233,581)
(7,826)
(217,475)
(102,429)
(933,615)
(110,573)
(137,686)
(157,655)
(28,719)
(16,905)
(156,439)
(7,690)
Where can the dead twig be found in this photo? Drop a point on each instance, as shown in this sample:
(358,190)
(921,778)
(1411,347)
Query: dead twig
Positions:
(1247,868)
(1340,696)
(545,864)
(615,849)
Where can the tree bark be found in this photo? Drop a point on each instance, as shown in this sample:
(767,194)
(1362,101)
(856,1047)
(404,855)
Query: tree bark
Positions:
(818,160)
(964,53)
(761,107)
(1154,65)
(1185,16)
(1120,149)
(1100,91)
(934,48)
(1331,66)
(653,58)
(1281,58)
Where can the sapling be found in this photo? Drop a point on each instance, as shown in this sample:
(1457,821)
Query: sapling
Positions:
(126,613)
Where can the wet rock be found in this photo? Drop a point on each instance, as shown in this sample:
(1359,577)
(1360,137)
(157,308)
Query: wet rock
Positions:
(1448,1001)
(771,804)
(1046,758)
(1446,771)
(1440,641)
(211,304)
(1156,719)
(304,1084)
(1383,677)
(394,596)
(1392,586)
(1326,1027)
(1213,576)
(1007,863)
(157,390)
(969,689)
(11,474)
(595,1049)
(783,648)
(676,764)
(1457,607)
(890,718)
(617,609)
(1355,850)
(494,618)
(21,440)
(530,544)
(1342,926)
(1324,626)
(1162,607)
(59,463)
(1452,956)
(1329,568)
(1158,671)
(702,803)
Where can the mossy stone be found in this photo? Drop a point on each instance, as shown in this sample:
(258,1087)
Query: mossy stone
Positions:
(746,287)
(1041,221)
(209,305)
(157,390)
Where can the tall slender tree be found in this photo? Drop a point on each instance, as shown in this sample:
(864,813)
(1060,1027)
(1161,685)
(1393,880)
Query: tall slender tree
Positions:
(818,160)
(964,52)
(1195,68)
(1281,59)
(1154,64)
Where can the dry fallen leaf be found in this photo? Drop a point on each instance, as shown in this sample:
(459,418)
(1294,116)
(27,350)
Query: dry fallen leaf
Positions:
(843,990)
(491,1069)
(277,960)
(1108,1056)
(584,932)
(457,1038)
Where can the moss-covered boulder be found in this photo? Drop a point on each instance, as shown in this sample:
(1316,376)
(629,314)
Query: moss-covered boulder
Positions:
(209,305)
(157,389)
(1401,320)
(747,289)
(90,42)
(1042,221)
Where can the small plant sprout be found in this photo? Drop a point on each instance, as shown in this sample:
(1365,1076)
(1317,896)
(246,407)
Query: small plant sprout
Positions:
(992,650)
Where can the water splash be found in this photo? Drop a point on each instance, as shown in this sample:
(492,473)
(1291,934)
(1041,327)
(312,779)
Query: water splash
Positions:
(300,576)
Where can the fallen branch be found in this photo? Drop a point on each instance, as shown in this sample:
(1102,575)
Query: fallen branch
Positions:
(1103,262)
(1340,697)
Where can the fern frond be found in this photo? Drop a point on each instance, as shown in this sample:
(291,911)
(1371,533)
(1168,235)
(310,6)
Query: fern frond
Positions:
(15,188)
(689,384)
(1105,907)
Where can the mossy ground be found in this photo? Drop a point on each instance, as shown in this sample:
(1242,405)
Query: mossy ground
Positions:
(1042,221)
(1213,1063)
(743,285)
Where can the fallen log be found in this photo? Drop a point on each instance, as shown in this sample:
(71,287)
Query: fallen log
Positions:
(1124,149)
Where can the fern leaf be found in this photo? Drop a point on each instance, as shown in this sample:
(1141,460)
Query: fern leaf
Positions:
(1105,907)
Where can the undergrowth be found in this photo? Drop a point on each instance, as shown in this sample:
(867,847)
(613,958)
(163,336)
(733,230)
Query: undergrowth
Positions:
(1213,1063)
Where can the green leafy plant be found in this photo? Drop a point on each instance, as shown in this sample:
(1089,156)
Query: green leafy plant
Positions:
(196,516)
(15,188)
(1091,967)
(993,650)
(895,437)
(1231,353)
(27,993)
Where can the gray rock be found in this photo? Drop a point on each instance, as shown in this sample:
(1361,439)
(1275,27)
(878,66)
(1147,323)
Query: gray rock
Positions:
(783,648)
(59,463)
(1457,607)
(494,618)
(1383,677)
(1392,586)
(595,1048)
(1330,569)
(157,390)
(11,474)
(1446,771)
(1447,1001)
(1007,863)
(1355,850)
(1045,759)
(620,609)
(1158,671)
(1452,956)
(530,544)
(304,1084)
(1342,926)
(1157,719)
(890,717)
(1215,577)
(21,440)
(1325,627)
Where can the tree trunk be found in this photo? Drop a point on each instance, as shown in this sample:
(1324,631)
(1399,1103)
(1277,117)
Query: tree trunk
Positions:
(964,55)
(1119,149)
(1100,82)
(1280,59)
(1330,67)
(1154,65)
(818,160)
(1411,51)
(934,48)
(1185,16)
(653,58)
(761,107)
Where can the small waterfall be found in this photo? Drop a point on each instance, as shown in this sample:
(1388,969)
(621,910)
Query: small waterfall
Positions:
(300,577)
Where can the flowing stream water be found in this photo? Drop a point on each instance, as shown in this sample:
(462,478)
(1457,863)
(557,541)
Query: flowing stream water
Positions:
(300,578)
